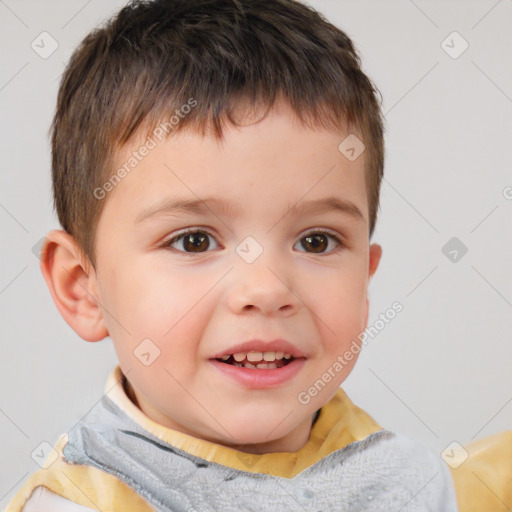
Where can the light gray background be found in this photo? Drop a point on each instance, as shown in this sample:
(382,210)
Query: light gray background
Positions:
(441,370)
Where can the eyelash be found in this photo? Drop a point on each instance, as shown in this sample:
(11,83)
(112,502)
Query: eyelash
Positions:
(179,236)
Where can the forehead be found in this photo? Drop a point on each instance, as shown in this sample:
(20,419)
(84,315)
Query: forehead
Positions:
(275,161)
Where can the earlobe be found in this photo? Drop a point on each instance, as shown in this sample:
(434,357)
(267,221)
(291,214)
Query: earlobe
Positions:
(71,282)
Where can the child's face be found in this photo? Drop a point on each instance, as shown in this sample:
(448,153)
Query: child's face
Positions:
(197,299)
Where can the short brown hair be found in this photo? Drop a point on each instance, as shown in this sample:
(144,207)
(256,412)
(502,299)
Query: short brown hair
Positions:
(153,56)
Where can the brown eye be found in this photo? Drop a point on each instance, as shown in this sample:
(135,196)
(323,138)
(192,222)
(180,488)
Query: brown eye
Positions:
(191,242)
(318,242)
(196,242)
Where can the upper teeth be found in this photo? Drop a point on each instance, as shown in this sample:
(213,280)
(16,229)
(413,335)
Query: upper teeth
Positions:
(257,356)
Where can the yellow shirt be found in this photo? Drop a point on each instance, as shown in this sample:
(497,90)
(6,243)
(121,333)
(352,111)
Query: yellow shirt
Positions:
(483,482)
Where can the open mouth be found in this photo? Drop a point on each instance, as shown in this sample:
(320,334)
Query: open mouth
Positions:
(257,360)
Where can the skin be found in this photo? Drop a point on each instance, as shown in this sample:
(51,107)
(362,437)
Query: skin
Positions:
(193,305)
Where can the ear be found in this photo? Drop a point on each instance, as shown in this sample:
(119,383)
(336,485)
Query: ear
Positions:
(72,284)
(374,259)
(375,256)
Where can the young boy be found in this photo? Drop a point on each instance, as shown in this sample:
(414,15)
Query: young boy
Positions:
(216,170)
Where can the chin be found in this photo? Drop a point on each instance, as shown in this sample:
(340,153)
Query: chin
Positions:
(257,432)
(256,444)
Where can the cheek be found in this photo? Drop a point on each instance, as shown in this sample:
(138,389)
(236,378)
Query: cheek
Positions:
(144,295)
(154,304)
(339,306)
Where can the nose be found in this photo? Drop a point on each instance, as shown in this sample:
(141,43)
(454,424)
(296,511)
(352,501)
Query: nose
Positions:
(262,287)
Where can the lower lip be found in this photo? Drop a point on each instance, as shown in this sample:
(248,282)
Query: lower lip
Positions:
(260,378)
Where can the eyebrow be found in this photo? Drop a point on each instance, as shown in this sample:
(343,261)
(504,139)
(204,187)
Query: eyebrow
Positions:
(216,205)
